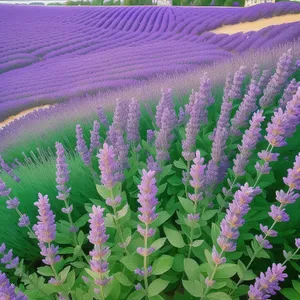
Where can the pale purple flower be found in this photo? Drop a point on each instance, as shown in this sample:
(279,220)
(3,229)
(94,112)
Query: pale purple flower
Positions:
(255,74)
(267,284)
(4,191)
(108,166)
(264,79)
(102,117)
(8,289)
(120,116)
(12,203)
(138,287)
(112,136)
(12,264)
(73,229)
(246,108)
(24,221)
(2,248)
(98,237)
(81,146)
(142,273)
(249,141)
(121,149)
(50,254)
(293,178)
(150,136)
(45,229)
(289,92)
(264,243)
(197,172)
(267,231)
(193,217)
(238,78)
(95,137)
(152,164)
(268,156)
(145,251)
(264,168)
(189,106)
(280,77)
(113,202)
(181,116)
(62,173)
(286,198)
(8,169)
(67,210)
(209,282)
(134,114)
(278,214)
(217,259)
(85,279)
(297,243)
(8,260)
(165,102)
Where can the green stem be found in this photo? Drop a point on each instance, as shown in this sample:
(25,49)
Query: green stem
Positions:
(291,257)
(187,179)
(230,189)
(145,262)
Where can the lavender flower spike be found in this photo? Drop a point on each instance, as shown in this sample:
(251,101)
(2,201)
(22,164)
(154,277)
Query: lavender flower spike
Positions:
(289,92)
(133,121)
(238,78)
(264,79)
(8,290)
(95,138)
(281,75)
(267,284)
(4,191)
(102,117)
(8,170)
(249,141)
(120,116)
(148,202)
(81,146)
(165,101)
(98,237)
(234,217)
(62,173)
(108,166)
(45,230)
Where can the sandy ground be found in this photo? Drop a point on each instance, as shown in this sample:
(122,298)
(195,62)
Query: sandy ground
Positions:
(257,25)
(21,114)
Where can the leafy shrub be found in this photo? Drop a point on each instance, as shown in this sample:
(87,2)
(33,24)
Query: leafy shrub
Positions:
(179,206)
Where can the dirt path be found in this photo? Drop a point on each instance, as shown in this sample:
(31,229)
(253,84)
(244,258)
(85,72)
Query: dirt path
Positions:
(257,25)
(22,114)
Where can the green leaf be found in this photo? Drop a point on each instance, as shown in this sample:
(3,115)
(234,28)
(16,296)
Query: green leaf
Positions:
(81,237)
(132,261)
(162,264)
(122,212)
(290,294)
(175,181)
(187,205)
(161,188)
(123,279)
(296,285)
(158,243)
(166,171)
(103,191)
(178,263)
(136,295)
(71,279)
(215,232)
(45,271)
(157,286)
(197,243)
(194,288)
(191,269)
(180,164)
(209,214)
(82,221)
(220,200)
(226,271)
(64,273)
(208,257)
(67,250)
(218,296)
(174,237)
(243,273)
(163,216)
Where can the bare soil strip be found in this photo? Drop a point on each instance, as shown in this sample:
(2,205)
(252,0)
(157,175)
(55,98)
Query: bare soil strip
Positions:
(257,25)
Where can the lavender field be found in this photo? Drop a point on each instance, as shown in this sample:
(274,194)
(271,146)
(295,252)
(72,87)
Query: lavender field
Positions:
(53,54)
(166,165)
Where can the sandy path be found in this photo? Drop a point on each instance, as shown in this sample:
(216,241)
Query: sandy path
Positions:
(257,25)
(22,114)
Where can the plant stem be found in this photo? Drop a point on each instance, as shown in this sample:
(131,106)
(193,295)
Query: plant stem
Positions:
(145,262)
(291,257)
(187,179)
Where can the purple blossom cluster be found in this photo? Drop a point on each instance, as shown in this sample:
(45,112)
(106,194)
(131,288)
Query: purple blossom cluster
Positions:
(120,116)
(267,284)
(8,170)
(283,71)
(134,114)
(100,252)
(165,102)
(234,217)
(7,290)
(288,93)
(95,137)
(102,117)
(81,146)
(7,259)
(236,88)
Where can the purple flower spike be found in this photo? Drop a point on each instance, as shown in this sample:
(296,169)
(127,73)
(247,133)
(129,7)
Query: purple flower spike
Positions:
(166,101)
(293,178)
(217,259)
(264,79)
(8,169)
(280,77)
(108,166)
(286,198)
(238,78)
(8,289)
(197,172)
(24,221)
(278,214)
(267,284)
(234,217)
(12,203)
(102,116)
(133,121)
(120,116)
(297,243)
(181,117)
(150,136)
(2,248)
(98,238)
(81,146)
(249,141)
(289,92)
(267,231)
(62,173)
(95,137)
(153,165)
(4,191)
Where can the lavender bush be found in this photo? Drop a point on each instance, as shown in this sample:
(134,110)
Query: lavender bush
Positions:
(185,210)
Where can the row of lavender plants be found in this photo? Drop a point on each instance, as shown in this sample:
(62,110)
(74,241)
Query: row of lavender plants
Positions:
(173,220)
